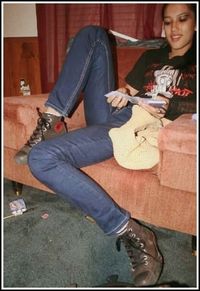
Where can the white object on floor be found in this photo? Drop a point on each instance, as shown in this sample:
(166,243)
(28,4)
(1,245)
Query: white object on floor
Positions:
(194,116)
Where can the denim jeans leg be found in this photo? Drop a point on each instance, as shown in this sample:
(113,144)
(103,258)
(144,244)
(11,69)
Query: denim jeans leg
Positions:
(57,163)
(88,68)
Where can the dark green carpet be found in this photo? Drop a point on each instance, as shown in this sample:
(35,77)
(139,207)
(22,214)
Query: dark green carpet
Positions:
(66,250)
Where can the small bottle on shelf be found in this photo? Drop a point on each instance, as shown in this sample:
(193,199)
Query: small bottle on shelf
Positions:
(24,87)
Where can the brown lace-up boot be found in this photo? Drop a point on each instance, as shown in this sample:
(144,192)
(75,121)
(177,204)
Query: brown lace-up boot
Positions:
(141,246)
(48,126)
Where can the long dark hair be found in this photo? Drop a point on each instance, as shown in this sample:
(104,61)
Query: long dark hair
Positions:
(192,7)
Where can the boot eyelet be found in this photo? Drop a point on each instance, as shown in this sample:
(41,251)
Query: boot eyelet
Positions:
(47,125)
(145,258)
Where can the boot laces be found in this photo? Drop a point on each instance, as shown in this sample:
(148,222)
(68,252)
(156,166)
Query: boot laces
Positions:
(135,248)
(43,125)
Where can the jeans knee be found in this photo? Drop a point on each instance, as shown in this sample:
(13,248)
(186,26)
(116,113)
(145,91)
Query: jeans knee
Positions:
(93,30)
(36,159)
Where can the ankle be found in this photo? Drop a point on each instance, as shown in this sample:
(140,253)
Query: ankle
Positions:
(132,225)
(122,230)
(52,111)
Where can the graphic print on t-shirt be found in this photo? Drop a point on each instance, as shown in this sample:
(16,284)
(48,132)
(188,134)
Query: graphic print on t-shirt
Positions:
(166,79)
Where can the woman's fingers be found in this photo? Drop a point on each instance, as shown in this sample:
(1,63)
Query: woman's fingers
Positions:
(117,101)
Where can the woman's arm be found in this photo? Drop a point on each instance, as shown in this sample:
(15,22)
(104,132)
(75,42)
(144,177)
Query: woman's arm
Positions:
(120,102)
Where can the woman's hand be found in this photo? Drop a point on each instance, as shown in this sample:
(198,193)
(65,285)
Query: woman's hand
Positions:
(158,112)
(119,102)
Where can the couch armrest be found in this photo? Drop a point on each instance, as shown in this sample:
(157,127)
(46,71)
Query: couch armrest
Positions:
(12,104)
(20,118)
(177,145)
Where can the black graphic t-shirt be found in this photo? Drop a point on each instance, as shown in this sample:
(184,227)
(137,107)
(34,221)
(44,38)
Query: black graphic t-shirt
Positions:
(155,74)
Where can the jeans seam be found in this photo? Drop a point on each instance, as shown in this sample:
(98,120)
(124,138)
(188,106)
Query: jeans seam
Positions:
(64,112)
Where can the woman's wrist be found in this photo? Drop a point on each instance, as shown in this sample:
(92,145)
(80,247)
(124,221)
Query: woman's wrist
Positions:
(124,90)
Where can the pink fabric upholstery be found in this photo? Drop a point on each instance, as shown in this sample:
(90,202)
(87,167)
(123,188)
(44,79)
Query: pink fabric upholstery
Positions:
(177,145)
(164,195)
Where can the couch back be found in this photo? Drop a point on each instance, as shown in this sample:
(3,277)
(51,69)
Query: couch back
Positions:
(126,58)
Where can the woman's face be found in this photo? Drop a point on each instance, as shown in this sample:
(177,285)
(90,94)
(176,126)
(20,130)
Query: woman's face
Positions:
(179,25)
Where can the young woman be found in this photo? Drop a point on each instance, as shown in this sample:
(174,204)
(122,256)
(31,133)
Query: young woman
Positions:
(168,73)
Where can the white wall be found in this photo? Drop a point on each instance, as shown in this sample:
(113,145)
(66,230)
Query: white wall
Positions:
(19,20)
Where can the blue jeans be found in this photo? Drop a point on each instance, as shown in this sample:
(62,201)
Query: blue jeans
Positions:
(57,162)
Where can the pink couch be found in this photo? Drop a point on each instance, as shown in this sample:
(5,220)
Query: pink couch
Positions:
(164,196)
